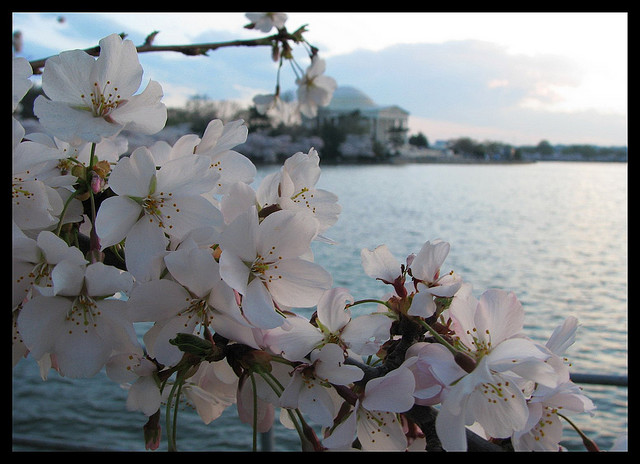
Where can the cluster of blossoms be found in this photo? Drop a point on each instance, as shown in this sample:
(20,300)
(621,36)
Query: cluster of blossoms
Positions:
(176,238)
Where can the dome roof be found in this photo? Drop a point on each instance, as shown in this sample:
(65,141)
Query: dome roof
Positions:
(350,99)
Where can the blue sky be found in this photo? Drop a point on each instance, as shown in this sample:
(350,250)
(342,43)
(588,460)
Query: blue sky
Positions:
(513,77)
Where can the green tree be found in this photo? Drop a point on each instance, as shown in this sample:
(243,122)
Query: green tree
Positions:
(419,140)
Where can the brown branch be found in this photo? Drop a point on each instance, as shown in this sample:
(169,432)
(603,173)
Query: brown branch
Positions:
(283,36)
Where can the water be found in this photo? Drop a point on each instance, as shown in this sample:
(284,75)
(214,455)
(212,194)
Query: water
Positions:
(554,233)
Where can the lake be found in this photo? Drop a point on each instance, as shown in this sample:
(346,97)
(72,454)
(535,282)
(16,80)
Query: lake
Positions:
(555,233)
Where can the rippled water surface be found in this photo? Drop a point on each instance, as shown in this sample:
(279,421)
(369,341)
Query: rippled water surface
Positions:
(554,233)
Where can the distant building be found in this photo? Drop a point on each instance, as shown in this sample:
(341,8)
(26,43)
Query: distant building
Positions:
(384,122)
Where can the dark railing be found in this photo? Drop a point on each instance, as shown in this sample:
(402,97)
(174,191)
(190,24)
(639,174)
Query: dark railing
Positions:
(266,439)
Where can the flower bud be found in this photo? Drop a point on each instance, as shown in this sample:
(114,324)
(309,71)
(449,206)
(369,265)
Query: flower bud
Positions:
(465,361)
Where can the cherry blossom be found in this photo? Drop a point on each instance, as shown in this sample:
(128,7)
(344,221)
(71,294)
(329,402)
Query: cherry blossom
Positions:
(89,98)
(294,188)
(362,335)
(309,389)
(186,303)
(152,205)
(425,270)
(488,330)
(78,325)
(314,88)
(264,22)
(138,375)
(373,419)
(265,262)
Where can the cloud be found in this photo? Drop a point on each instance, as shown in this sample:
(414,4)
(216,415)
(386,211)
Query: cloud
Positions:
(480,86)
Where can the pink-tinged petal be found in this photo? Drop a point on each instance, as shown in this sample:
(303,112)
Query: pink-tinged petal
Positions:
(116,216)
(330,366)
(451,430)
(234,271)
(297,282)
(286,234)
(426,265)
(499,414)
(195,269)
(380,264)
(258,308)
(233,329)
(68,278)
(182,214)
(156,300)
(145,249)
(102,280)
(39,322)
(332,311)
(118,66)
(265,411)
(376,437)
(239,198)
(422,304)
(186,175)
(500,313)
(143,113)
(157,338)
(133,175)
(240,237)
(316,403)
(144,395)
(70,124)
(343,435)
(365,334)
(67,76)
(439,361)
(294,339)
(563,336)
(392,392)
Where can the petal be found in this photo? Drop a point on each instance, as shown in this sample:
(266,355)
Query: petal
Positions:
(39,322)
(286,234)
(116,217)
(132,175)
(380,264)
(380,431)
(500,313)
(145,249)
(332,311)
(143,113)
(258,307)
(195,269)
(365,334)
(429,259)
(103,280)
(294,339)
(240,237)
(297,282)
(317,404)
(156,300)
(393,392)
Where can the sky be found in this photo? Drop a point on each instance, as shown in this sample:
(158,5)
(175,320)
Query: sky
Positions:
(517,78)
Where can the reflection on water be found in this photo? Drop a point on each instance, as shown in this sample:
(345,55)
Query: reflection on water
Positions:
(554,233)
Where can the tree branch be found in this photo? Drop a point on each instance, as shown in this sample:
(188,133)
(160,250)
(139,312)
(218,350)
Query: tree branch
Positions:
(193,49)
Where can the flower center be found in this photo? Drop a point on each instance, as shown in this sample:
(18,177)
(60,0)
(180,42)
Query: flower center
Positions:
(102,102)
(83,315)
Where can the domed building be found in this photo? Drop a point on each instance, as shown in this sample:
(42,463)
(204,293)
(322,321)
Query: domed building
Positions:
(384,122)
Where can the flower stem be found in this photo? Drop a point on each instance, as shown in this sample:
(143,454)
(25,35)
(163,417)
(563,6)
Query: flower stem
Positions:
(438,337)
(589,444)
